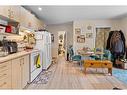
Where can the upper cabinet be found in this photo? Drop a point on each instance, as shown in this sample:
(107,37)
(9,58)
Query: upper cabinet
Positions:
(21,15)
(24,17)
(15,13)
(29,20)
(5,11)
(11,12)
(37,23)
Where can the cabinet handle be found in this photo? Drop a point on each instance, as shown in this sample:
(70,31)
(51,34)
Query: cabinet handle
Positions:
(12,14)
(3,84)
(21,61)
(91,63)
(3,67)
(3,75)
(9,10)
(105,63)
(9,13)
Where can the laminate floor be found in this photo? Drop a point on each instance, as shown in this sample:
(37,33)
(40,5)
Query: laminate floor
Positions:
(68,75)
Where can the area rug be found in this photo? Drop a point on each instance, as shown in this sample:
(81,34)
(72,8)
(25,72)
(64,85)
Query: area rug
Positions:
(120,74)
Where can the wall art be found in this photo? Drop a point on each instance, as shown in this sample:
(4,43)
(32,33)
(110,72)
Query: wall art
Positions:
(89,35)
(81,39)
(78,31)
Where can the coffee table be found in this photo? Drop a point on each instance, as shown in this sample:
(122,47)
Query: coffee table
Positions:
(98,64)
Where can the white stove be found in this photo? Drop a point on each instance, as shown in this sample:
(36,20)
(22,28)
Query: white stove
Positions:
(34,71)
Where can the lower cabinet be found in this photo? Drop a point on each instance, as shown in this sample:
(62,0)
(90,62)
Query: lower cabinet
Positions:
(20,72)
(25,70)
(16,73)
(5,75)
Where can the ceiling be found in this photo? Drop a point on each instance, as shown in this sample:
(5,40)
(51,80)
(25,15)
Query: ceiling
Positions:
(63,14)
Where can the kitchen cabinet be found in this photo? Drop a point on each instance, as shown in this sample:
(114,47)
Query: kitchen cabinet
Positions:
(25,70)
(29,20)
(5,11)
(21,15)
(15,13)
(10,12)
(20,72)
(23,19)
(16,74)
(26,19)
(5,75)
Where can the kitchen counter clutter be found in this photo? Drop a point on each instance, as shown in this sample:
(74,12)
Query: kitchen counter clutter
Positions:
(15,70)
(18,54)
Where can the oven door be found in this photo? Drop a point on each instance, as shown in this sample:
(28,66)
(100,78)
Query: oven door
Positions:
(34,58)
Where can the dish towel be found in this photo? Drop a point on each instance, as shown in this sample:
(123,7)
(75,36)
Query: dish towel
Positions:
(38,63)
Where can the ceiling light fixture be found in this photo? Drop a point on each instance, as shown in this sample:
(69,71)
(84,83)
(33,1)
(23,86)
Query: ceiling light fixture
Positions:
(39,8)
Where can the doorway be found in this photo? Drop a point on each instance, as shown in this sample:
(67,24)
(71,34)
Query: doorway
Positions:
(62,41)
(101,37)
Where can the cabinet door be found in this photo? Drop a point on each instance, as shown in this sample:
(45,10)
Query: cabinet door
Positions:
(15,13)
(5,11)
(25,70)
(26,18)
(16,74)
(23,20)
(5,75)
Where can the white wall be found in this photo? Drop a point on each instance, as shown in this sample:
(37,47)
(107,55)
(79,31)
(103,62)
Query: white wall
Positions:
(68,27)
(120,24)
(90,42)
(123,26)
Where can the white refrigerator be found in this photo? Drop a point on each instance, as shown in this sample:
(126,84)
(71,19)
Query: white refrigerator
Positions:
(43,43)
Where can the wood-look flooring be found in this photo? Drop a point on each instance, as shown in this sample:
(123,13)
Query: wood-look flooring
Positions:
(67,75)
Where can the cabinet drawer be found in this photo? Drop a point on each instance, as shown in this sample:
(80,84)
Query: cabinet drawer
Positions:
(106,65)
(5,66)
(5,83)
(93,65)
(5,74)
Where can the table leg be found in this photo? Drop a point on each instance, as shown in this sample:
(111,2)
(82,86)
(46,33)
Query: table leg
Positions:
(110,71)
(85,71)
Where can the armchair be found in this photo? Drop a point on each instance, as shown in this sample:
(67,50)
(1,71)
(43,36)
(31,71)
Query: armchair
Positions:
(78,59)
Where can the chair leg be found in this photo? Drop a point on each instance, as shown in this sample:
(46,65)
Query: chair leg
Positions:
(81,65)
(96,69)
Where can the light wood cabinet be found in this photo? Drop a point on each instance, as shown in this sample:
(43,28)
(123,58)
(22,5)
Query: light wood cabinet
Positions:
(11,12)
(26,19)
(20,72)
(5,75)
(23,19)
(15,13)
(21,15)
(16,73)
(5,11)
(29,20)
(25,70)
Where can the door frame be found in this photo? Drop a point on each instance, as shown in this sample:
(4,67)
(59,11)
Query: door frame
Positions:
(65,44)
(96,32)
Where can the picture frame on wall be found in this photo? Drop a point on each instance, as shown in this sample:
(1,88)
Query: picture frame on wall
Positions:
(89,35)
(52,37)
(89,28)
(81,39)
(78,31)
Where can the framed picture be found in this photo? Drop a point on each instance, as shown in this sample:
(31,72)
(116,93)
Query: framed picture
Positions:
(52,37)
(89,28)
(78,31)
(89,35)
(81,39)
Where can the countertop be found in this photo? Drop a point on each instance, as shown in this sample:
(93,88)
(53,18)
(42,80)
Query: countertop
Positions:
(16,55)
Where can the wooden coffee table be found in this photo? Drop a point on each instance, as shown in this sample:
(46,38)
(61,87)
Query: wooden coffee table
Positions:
(98,64)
